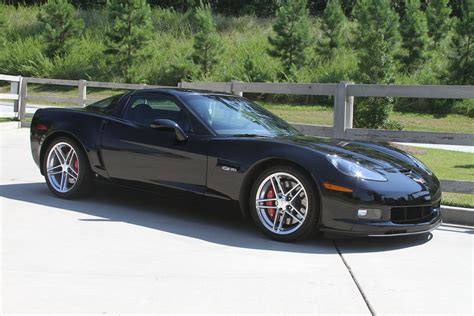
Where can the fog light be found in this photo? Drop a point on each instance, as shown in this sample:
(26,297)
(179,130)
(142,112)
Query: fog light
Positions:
(369,213)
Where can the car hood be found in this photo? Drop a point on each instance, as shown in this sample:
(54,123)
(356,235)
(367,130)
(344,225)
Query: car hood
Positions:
(379,156)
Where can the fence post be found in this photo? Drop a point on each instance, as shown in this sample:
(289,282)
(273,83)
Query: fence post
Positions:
(340,111)
(15,89)
(228,87)
(180,85)
(349,120)
(82,86)
(343,110)
(22,98)
(233,90)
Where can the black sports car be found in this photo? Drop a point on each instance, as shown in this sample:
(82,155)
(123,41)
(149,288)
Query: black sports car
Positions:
(224,146)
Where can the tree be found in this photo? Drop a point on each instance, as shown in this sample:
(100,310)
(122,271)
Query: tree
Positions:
(438,15)
(129,33)
(414,30)
(292,35)
(3,30)
(462,57)
(207,45)
(332,27)
(377,42)
(60,25)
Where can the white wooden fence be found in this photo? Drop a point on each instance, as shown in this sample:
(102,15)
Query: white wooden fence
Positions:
(343,93)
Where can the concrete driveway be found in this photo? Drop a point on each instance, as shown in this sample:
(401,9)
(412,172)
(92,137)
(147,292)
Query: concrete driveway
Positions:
(128,252)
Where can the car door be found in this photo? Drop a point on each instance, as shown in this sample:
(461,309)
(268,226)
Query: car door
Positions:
(136,154)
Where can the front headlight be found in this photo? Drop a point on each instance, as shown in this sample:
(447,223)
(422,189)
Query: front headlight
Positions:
(354,169)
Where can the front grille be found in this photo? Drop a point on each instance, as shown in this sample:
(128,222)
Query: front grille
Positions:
(412,214)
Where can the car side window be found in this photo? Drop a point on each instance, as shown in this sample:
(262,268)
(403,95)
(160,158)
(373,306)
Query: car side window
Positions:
(106,106)
(144,109)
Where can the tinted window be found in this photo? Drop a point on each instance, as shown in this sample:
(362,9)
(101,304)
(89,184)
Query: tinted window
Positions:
(228,115)
(144,109)
(107,106)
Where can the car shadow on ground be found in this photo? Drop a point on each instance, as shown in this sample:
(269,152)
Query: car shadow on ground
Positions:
(190,215)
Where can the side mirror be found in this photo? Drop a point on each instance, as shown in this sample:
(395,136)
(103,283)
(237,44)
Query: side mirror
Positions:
(170,125)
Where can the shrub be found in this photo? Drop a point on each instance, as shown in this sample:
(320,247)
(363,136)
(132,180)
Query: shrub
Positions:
(83,61)
(414,29)
(464,107)
(129,32)
(171,22)
(332,27)
(58,18)
(439,22)
(462,56)
(25,57)
(207,45)
(292,37)
(168,61)
(378,41)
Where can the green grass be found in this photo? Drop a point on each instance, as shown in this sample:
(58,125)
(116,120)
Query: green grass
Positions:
(6,119)
(446,164)
(321,115)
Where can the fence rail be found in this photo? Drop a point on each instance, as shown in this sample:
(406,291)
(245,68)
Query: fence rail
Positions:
(343,93)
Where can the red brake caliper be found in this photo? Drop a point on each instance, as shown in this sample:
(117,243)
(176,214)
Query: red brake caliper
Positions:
(270,195)
(76,165)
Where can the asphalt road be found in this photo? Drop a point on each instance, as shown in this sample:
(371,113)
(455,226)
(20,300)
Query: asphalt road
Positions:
(121,251)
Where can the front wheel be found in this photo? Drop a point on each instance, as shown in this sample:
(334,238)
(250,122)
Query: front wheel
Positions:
(66,169)
(284,204)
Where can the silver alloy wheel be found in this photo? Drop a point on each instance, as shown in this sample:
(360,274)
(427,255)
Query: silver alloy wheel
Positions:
(281,203)
(62,167)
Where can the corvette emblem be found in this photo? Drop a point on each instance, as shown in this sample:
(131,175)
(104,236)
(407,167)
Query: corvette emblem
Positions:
(419,180)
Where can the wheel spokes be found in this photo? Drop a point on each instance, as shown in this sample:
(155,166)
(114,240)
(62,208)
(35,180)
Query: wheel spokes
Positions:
(296,211)
(285,217)
(280,188)
(294,217)
(297,194)
(282,219)
(52,170)
(60,167)
(293,188)
(62,185)
(59,152)
(72,174)
(266,200)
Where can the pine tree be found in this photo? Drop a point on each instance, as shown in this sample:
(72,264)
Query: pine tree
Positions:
(438,15)
(60,25)
(292,39)
(129,33)
(3,30)
(377,42)
(332,27)
(414,30)
(207,45)
(462,56)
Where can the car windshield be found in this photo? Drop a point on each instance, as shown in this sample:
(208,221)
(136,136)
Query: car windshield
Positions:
(228,115)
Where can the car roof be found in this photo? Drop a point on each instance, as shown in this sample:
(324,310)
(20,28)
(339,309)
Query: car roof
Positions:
(179,92)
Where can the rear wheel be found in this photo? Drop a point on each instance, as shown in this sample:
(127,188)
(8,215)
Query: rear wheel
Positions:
(284,204)
(66,169)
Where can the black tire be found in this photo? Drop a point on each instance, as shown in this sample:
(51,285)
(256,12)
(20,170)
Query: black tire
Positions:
(84,184)
(310,223)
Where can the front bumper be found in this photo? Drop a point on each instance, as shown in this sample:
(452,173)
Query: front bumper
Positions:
(386,229)
(339,215)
